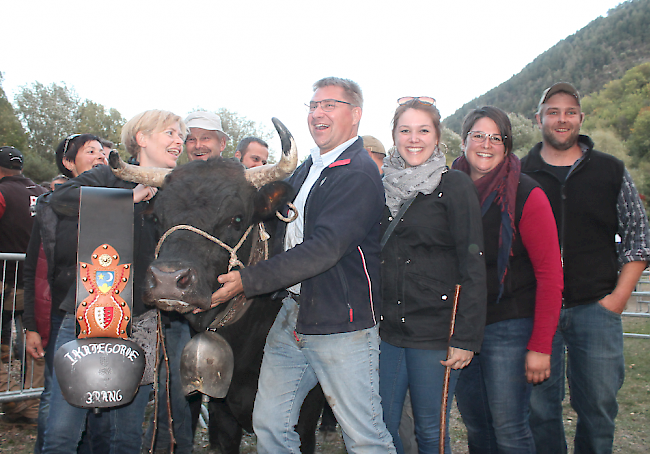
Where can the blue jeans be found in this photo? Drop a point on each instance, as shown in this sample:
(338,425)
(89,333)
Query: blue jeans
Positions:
(593,337)
(66,423)
(492,392)
(419,371)
(177,335)
(44,405)
(345,364)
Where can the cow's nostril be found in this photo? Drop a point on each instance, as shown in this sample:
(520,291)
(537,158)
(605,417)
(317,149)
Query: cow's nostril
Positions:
(184,280)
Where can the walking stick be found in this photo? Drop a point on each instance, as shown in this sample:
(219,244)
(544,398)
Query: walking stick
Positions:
(445,383)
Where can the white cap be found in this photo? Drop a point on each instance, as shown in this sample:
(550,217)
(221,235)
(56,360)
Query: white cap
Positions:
(204,120)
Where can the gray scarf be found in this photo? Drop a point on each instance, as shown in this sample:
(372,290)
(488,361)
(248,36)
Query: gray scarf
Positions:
(402,183)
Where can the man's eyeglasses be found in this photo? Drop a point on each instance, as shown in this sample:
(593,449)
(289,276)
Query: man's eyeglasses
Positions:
(422,99)
(327,105)
(67,141)
(479,137)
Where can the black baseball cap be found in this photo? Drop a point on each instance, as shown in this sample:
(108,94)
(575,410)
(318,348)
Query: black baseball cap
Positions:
(11,158)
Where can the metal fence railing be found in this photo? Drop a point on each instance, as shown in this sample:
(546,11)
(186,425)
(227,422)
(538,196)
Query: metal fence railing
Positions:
(16,367)
(642,304)
(15,382)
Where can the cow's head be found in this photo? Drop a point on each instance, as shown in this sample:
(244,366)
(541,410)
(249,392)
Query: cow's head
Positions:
(219,198)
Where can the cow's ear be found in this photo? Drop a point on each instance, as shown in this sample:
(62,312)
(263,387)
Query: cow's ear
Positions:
(271,198)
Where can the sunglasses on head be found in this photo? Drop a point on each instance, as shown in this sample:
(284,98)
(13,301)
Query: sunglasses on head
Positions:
(67,141)
(422,99)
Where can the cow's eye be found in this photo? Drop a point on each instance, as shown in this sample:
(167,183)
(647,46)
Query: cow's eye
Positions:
(236,222)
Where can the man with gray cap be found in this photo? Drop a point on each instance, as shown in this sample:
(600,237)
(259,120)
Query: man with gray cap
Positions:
(603,232)
(18,195)
(376,150)
(206,138)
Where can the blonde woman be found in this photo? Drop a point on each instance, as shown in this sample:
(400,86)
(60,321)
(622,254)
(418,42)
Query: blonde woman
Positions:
(154,139)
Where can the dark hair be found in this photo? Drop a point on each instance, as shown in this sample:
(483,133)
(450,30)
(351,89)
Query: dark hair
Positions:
(70,146)
(495,114)
(106,143)
(415,104)
(243,144)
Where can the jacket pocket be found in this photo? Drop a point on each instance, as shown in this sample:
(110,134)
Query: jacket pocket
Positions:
(427,307)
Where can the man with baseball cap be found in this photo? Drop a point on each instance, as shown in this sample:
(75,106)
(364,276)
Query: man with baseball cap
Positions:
(206,138)
(603,232)
(18,195)
(375,149)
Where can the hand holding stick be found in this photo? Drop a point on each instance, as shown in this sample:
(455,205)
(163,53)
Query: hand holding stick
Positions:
(445,383)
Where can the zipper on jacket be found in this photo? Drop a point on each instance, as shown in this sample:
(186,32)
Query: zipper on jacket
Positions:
(575,167)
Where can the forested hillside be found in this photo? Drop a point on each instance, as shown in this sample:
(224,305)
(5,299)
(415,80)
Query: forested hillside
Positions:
(600,52)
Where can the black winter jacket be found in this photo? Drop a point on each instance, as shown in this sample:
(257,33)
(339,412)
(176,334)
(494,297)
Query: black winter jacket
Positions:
(437,244)
(59,238)
(338,261)
(20,195)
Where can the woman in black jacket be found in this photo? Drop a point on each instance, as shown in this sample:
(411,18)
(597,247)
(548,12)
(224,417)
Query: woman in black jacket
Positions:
(47,282)
(437,243)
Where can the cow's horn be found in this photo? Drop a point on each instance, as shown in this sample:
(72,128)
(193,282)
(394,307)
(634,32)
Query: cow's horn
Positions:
(149,176)
(259,176)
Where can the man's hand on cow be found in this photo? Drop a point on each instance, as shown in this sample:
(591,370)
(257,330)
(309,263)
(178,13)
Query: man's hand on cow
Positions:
(231,287)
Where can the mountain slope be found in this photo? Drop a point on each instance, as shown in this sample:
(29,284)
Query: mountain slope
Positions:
(598,53)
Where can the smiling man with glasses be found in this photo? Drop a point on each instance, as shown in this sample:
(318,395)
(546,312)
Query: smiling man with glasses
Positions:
(326,330)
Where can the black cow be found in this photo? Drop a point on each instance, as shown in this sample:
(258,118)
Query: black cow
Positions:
(218,199)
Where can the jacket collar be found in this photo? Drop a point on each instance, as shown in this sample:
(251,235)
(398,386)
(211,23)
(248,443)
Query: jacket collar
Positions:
(533,161)
(300,174)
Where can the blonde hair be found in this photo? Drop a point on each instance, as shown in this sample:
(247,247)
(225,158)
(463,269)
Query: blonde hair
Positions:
(148,122)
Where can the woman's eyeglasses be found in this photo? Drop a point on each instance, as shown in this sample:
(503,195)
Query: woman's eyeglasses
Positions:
(479,137)
(422,99)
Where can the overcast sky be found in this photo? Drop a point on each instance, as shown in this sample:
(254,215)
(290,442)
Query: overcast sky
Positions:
(259,58)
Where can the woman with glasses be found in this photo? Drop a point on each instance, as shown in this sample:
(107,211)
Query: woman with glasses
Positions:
(154,139)
(524,281)
(435,244)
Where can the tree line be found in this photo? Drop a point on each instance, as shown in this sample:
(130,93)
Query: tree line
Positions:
(43,115)
(617,118)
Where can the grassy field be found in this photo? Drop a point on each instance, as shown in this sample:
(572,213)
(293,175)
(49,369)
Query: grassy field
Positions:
(632,423)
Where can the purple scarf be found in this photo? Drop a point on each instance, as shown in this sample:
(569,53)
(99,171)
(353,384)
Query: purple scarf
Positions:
(498,186)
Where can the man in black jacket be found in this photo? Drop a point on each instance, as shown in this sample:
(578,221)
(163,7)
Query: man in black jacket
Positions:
(603,229)
(326,330)
(18,196)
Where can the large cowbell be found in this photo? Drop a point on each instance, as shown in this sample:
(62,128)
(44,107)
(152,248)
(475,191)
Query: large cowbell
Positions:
(99,372)
(207,364)
(102,368)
